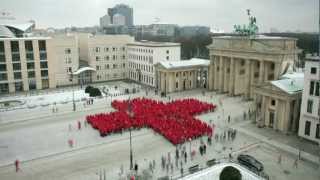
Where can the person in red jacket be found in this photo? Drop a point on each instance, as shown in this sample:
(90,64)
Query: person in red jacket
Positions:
(17,163)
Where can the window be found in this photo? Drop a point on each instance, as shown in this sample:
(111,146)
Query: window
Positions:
(31,74)
(107,66)
(43,64)
(3,77)
(1,47)
(124,65)
(3,67)
(42,45)
(311,89)
(114,66)
(177,85)
(97,49)
(98,67)
(67,51)
(106,58)
(271,76)
(28,46)
(14,46)
(318,131)
(97,58)
(18,86)
(242,62)
(30,65)
(123,57)
(113,49)
(17,75)
(309,106)
(2,57)
(167,51)
(15,57)
(273,102)
(317,93)
(43,55)
(167,57)
(29,56)
(106,49)
(44,73)
(241,71)
(114,57)
(16,66)
(313,70)
(307,128)
(123,48)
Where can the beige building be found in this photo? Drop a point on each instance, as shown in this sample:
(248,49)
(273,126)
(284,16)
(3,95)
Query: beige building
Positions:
(26,63)
(143,55)
(278,103)
(238,62)
(173,76)
(66,58)
(107,54)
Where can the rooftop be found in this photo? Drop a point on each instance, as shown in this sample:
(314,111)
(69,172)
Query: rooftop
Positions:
(291,83)
(185,63)
(256,37)
(153,44)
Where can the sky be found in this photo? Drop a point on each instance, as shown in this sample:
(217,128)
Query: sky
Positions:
(283,15)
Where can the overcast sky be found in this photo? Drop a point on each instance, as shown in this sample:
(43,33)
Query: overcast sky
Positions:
(223,14)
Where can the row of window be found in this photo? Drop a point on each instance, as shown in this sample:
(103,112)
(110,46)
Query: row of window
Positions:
(142,58)
(114,66)
(314,89)
(142,50)
(30,65)
(4,87)
(141,77)
(107,58)
(307,129)
(14,45)
(107,49)
(142,67)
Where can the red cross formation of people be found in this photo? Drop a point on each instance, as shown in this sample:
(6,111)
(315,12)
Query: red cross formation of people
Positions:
(173,120)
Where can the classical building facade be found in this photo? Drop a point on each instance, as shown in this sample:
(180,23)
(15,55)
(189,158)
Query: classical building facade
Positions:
(173,76)
(309,126)
(26,63)
(278,103)
(239,62)
(143,55)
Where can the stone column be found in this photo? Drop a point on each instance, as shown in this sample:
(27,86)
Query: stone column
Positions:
(252,70)
(216,73)
(296,109)
(225,75)
(247,78)
(261,71)
(210,80)
(285,123)
(221,70)
(232,78)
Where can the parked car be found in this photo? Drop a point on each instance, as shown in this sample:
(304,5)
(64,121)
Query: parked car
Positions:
(250,162)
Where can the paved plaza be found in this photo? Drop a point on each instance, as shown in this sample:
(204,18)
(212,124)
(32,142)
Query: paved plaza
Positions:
(38,137)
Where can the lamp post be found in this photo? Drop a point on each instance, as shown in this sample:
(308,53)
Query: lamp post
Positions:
(73,102)
(130,113)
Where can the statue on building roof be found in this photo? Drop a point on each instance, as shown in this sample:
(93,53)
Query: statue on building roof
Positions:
(250,30)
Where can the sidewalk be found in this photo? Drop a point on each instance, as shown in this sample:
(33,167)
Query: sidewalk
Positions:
(286,143)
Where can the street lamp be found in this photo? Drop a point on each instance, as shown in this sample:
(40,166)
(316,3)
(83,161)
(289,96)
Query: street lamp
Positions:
(130,113)
(71,79)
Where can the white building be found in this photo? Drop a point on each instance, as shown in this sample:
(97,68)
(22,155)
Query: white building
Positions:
(309,125)
(105,21)
(107,54)
(119,20)
(142,56)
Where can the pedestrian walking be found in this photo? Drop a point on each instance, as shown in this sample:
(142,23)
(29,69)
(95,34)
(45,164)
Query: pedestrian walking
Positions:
(279,159)
(79,125)
(154,164)
(136,167)
(171,165)
(151,167)
(299,155)
(229,118)
(181,171)
(167,168)
(17,165)
(204,149)
(185,157)
(295,163)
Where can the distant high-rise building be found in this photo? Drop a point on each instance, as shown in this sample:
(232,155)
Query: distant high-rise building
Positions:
(119,19)
(123,10)
(105,21)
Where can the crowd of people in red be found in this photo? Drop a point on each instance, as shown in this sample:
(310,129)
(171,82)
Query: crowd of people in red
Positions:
(173,120)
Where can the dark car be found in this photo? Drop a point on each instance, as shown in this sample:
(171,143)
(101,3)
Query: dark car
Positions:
(250,162)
